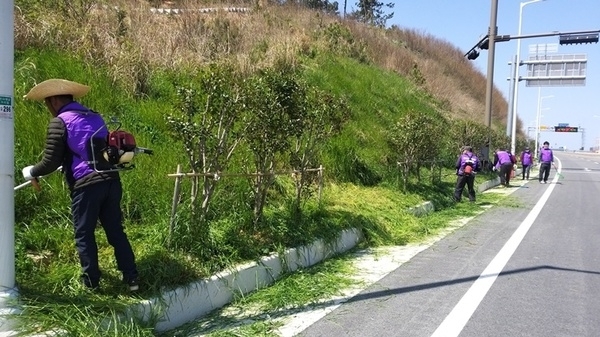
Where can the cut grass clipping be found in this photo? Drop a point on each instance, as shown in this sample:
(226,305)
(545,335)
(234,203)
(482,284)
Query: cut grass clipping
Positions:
(253,315)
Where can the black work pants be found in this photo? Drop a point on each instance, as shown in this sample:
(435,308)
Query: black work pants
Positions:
(526,169)
(461,181)
(100,201)
(544,171)
(505,172)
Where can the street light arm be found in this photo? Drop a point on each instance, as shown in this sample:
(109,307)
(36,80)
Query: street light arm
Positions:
(539,116)
(529,2)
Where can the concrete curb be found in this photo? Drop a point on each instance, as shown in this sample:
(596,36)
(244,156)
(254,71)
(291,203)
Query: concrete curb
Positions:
(184,304)
(486,185)
(8,298)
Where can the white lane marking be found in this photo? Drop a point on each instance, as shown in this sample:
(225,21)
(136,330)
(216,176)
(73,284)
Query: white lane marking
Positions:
(455,322)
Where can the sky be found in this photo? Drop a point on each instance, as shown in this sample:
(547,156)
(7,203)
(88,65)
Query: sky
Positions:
(464,22)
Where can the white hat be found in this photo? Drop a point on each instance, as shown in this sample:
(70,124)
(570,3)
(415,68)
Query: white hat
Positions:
(56,87)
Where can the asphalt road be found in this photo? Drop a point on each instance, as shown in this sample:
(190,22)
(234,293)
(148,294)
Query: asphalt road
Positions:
(532,269)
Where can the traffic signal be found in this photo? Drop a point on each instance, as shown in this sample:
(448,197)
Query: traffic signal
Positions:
(485,44)
(473,54)
(578,38)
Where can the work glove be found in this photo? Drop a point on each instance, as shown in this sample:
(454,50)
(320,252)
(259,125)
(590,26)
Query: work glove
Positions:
(27,173)
(494,168)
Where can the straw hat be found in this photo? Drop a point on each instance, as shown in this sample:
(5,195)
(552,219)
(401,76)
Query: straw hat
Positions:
(55,87)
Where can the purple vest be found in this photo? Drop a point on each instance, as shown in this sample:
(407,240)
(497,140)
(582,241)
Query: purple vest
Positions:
(526,158)
(546,156)
(467,157)
(81,125)
(503,157)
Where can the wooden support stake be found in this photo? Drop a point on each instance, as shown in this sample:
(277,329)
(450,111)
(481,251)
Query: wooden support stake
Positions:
(320,182)
(176,194)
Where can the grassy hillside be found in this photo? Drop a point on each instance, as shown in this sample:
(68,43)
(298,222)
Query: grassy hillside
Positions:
(137,63)
(132,41)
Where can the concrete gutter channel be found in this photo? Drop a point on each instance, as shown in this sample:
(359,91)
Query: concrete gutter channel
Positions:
(187,303)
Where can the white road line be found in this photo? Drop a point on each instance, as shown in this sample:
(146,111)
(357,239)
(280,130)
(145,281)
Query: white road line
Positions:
(455,322)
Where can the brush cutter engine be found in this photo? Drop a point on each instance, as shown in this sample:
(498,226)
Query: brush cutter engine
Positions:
(120,148)
(115,152)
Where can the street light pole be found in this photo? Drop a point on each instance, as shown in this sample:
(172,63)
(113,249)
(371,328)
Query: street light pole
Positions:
(539,113)
(541,122)
(515,93)
(511,87)
(537,125)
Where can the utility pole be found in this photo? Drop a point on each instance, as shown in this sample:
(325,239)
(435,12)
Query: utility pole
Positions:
(7,160)
(493,31)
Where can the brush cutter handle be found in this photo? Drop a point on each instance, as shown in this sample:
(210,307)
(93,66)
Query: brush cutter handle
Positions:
(36,184)
(33,182)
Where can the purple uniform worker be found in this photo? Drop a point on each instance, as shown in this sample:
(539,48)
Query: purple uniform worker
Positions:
(467,165)
(503,162)
(95,195)
(526,162)
(546,161)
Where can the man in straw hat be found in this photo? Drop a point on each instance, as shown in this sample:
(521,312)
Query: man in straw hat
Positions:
(94,195)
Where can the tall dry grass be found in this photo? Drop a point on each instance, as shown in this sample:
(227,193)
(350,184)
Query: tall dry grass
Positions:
(133,41)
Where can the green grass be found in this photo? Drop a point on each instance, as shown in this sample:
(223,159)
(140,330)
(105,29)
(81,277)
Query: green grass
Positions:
(377,98)
(258,329)
(292,293)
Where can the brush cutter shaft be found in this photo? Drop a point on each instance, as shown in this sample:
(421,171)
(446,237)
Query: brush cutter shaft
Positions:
(25,184)
(143,150)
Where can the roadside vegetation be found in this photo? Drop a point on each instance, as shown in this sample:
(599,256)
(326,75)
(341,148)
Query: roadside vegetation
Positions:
(251,103)
(265,311)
